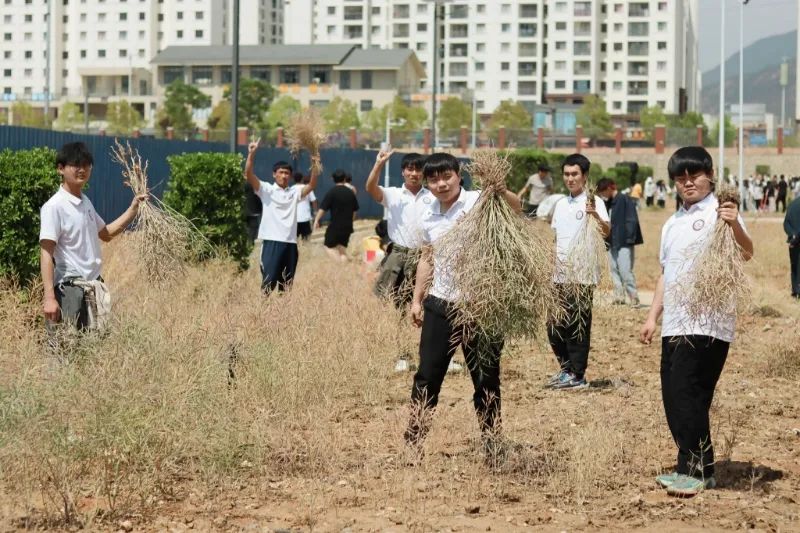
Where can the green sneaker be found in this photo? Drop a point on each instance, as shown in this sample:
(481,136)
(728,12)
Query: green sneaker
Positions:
(687,486)
(665,480)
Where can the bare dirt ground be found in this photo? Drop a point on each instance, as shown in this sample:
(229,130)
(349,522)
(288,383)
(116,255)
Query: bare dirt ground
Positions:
(576,460)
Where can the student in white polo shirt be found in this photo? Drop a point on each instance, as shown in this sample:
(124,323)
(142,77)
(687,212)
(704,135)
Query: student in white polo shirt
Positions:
(305,208)
(402,218)
(69,238)
(278,228)
(692,354)
(570,339)
(439,338)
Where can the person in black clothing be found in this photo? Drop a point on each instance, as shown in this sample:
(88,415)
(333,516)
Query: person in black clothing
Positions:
(342,204)
(791,225)
(625,234)
(783,189)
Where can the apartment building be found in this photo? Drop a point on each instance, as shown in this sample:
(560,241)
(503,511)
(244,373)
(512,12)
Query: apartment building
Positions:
(539,52)
(101,49)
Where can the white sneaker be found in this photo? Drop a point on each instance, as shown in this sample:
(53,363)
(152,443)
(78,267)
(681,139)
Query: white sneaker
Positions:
(401,365)
(454,367)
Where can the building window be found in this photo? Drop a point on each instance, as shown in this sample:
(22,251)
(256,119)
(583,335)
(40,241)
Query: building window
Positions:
(142,16)
(262,73)
(198,34)
(344,79)
(179,34)
(320,73)
(561,84)
(331,10)
(171,74)
(198,15)
(180,15)
(202,75)
(123,17)
(526,88)
(505,85)
(365,106)
(661,85)
(101,53)
(123,53)
(366,79)
(290,74)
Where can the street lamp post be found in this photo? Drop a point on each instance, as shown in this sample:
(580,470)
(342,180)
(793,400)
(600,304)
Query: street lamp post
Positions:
(235,78)
(721,123)
(741,100)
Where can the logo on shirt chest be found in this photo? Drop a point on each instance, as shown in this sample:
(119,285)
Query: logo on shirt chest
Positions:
(427,201)
(579,215)
(697,225)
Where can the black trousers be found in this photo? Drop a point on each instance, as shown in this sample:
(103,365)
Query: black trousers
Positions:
(794,266)
(690,369)
(780,203)
(438,343)
(571,337)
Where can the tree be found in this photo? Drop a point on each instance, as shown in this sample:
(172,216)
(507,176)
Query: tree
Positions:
(220,118)
(730,132)
(255,97)
(405,117)
(340,115)
(123,118)
(281,111)
(512,115)
(70,118)
(374,120)
(25,115)
(650,117)
(454,114)
(180,99)
(594,117)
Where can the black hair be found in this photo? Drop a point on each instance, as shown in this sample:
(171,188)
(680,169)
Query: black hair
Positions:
(440,163)
(577,159)
(348,178)
(281,165)
(543,167)
(339,176)
(690,160)
(297,177)
(412,160)
(605,183)
(75,153)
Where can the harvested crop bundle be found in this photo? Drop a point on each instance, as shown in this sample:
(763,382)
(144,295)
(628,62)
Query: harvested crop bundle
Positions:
(164,239)
(716,286)
(503,265)
(586,262)
(306,131)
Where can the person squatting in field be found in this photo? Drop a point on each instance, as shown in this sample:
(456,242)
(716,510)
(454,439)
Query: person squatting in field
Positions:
(693,352)
(278,227)
(570,337)
(439,337)
(69,237)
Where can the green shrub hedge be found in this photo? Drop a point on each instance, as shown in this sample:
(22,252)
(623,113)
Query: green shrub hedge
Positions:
(27,180)
(208,189)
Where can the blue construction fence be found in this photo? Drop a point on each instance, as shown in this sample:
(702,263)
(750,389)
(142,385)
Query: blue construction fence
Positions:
(111,198)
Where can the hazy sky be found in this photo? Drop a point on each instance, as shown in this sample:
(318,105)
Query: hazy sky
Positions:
(762,18)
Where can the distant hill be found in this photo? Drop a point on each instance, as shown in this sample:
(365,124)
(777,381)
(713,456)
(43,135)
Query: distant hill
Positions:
(762,61)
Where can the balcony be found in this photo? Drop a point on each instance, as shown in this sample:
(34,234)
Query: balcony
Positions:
(527,50)
(638,49)
(638,29)
(458,69)
(638,68)
(527,29)
(353,13)
(583,29)
(526,88)
(459,11)
(458,50)
(637,88)
(402,11)
(527,68)
(459,31)
(353,32)
(582,68)
(581,48)
(528,11)
(400,31)
(582,9)
(581,87)
(639,9)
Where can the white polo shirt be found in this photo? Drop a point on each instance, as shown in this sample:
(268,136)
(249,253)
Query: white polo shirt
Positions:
(304,207)
(569,217)
(279,216)
(403,211)
(433,225)
(683,238)
(73,224)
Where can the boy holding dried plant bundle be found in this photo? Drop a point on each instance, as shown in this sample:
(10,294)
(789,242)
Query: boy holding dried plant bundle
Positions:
(70,235)
(694,349)
(278,228)
(581,223)
(442,333)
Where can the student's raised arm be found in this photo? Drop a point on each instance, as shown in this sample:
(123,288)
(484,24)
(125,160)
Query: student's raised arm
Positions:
(510,197)
(249,173)
(312,182)
(373,188)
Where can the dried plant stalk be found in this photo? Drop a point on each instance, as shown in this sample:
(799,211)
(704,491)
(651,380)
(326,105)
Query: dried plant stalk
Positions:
(586,262)
(502,266)
(164,239)
(306,131)
(716,287)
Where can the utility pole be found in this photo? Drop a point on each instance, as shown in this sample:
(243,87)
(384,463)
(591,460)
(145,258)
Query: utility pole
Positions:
(784,80)
(235,78)
(435,70)
(721,157)
(741,100)
(47,64)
